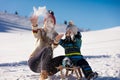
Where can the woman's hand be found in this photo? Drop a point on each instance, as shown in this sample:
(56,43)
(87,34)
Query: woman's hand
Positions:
(34,20)
(58,37)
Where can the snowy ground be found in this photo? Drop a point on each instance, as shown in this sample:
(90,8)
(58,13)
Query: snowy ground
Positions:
(100,48)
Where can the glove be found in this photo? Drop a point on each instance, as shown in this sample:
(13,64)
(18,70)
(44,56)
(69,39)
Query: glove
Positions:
(78,35)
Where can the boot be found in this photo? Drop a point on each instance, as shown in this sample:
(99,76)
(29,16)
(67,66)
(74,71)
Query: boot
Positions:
(92,76)
(43,75)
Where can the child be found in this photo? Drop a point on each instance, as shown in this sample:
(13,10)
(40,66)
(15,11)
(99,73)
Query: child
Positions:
(72,50)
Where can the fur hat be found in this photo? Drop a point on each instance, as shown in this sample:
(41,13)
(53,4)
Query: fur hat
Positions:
(71,22)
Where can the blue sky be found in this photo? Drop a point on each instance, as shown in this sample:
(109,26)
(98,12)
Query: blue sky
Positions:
(92,14)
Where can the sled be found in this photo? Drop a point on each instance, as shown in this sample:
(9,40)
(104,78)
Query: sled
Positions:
(73,69)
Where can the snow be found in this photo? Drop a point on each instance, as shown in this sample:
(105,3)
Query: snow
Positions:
(100,48)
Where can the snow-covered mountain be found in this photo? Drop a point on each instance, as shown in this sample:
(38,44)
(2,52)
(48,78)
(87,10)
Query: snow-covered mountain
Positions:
(12,22)
(100,48)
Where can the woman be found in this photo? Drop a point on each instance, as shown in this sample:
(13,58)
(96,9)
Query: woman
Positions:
(43,53)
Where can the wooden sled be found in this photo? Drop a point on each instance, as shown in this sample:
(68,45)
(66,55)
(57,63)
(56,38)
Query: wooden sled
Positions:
(73,69)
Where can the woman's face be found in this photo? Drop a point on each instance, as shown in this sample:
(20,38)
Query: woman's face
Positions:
(49,24)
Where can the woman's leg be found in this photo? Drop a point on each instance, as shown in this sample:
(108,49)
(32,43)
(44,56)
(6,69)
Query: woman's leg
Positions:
(39,61)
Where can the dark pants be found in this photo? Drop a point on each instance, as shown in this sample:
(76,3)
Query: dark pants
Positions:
(53,63)
(44,61)
(84,66)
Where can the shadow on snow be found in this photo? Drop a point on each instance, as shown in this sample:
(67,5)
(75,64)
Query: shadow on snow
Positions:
(25,62)
(6,26)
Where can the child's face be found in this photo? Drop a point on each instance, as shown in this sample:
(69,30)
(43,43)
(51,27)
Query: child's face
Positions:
(69,34)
